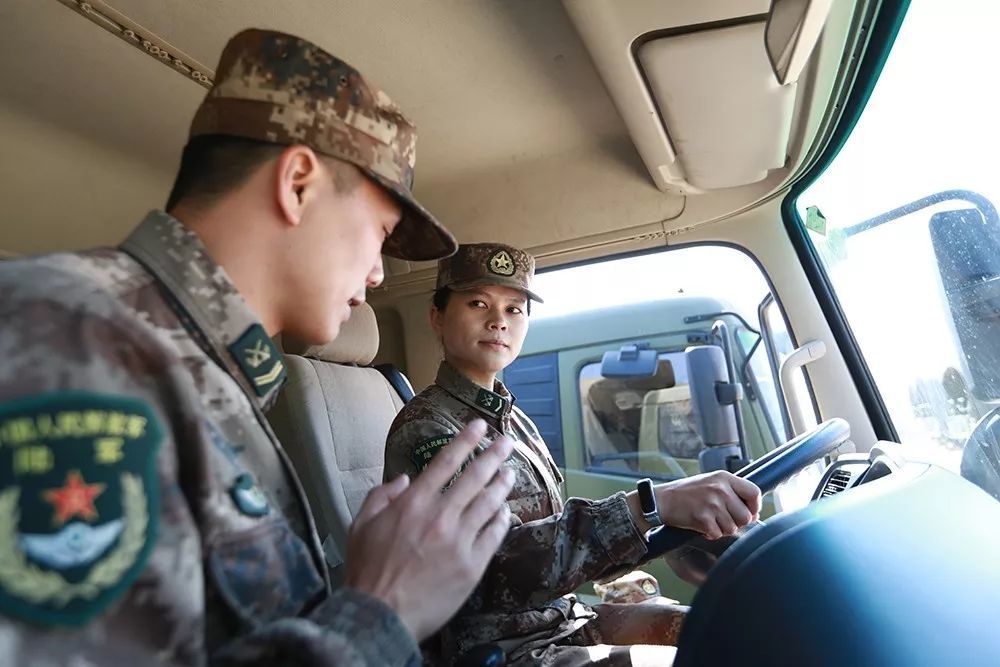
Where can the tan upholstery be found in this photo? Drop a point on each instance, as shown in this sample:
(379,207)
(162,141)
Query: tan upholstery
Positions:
(357,342)
(332,419)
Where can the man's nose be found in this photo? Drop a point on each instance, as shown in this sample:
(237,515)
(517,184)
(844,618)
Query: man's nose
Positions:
(376,275)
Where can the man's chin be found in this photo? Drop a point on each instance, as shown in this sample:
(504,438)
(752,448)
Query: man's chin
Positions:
(316,334)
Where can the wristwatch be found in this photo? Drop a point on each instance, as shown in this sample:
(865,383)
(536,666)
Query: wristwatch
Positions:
(647,502)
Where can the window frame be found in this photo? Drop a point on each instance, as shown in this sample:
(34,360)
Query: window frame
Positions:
(772,359)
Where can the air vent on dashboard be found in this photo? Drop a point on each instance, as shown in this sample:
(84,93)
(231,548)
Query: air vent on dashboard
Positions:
(839,481)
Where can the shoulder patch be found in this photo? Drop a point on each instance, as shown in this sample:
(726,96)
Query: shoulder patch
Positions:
(425,451)
(79,502)
(259,359)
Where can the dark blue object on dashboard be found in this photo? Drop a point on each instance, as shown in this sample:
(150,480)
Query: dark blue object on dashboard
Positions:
(899,571)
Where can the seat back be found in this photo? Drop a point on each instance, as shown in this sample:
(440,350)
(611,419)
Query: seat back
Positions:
(332,418)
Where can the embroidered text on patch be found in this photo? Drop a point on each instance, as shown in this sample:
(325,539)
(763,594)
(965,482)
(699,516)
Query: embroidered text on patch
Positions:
(425,451)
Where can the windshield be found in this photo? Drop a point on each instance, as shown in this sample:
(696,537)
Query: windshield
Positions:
(652,276)
(904,224)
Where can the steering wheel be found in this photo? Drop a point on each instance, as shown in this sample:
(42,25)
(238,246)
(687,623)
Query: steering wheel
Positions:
(767,472)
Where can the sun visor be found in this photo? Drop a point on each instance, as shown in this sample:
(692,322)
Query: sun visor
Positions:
(696,88)
(724,111)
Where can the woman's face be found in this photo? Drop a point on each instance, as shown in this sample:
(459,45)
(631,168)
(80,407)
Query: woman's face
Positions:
(482,329)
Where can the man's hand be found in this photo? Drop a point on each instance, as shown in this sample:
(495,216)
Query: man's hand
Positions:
(713,504)
(422,551)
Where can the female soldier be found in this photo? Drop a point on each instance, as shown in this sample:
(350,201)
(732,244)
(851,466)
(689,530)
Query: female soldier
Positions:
(525,602)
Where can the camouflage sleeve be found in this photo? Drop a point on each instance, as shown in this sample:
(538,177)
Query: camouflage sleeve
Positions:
(76,375)
(358,631)
(540,560)
(545,559)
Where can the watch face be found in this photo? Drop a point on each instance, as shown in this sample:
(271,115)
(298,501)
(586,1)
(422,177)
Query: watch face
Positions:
(647,501)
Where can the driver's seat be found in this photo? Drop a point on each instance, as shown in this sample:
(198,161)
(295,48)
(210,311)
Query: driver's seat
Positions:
(332,418)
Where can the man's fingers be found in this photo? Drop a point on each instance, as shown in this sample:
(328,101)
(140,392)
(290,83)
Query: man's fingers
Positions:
(488,502)
(379,498)
(449,460)
(491,537)
(749,492)
(470,485)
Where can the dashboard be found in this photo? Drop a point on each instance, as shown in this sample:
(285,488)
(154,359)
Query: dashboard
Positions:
(852,470)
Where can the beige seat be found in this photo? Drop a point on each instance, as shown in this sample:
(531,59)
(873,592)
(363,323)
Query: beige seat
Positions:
(332,417)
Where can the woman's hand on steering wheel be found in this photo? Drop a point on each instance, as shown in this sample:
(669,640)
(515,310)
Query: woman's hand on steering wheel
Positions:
(715,504)
(765,474)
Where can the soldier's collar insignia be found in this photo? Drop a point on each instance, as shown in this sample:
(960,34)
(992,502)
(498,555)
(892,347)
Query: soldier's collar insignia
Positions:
(78,503)
(248,497)
(501,263)
(259,359)
(491,402)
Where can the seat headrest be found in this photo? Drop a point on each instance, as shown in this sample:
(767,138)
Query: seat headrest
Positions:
(357,342)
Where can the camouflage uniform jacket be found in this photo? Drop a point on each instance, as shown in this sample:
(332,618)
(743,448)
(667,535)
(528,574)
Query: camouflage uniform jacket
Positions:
(524,600)
(148,515)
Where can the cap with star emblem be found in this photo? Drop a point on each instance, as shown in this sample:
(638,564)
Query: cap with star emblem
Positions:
(479,264)
(276,87)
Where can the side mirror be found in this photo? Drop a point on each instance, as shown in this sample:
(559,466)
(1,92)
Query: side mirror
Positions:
(714,402)
(967,248)
(793,29)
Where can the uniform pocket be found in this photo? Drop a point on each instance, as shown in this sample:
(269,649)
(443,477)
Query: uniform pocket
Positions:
(264,573)
(528,500)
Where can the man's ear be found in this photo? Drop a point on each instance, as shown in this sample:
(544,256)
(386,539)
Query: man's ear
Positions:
(296,175)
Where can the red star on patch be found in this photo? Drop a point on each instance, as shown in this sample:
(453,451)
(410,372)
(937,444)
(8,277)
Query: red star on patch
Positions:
(75,498)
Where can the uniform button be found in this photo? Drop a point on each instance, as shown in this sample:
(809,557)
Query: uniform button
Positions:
(249,498)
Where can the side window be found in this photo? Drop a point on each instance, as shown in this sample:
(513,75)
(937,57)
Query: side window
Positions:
(670,416)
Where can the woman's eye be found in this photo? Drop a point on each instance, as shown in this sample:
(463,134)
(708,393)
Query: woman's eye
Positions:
(515,310)
(477,304)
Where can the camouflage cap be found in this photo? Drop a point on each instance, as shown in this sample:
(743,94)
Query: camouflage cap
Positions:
(275,87)
(477,264)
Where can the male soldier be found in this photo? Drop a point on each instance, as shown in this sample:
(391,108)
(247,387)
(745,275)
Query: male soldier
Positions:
(525,602)
(147,512)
